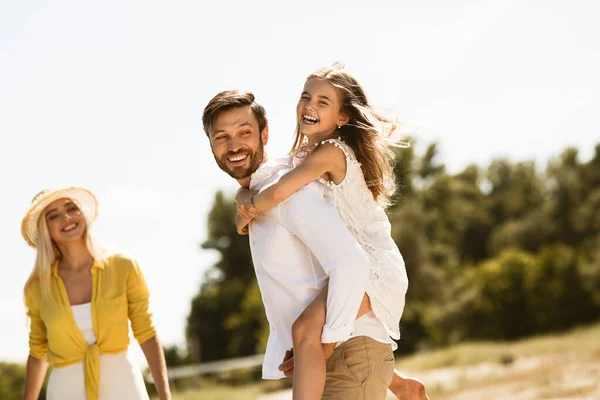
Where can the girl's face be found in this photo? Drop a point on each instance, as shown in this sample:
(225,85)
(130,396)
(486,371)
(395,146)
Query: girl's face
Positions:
(319,110)
(65,221)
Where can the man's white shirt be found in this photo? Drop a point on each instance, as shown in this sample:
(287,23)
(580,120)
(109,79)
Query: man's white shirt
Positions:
(296,247)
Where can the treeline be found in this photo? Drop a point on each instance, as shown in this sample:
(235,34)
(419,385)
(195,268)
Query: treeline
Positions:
(12,382)
(497,252)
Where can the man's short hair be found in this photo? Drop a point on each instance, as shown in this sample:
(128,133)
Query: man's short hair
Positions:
(229,99)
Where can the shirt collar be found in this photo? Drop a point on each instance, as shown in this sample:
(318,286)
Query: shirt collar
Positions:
(54,268)
(269,169)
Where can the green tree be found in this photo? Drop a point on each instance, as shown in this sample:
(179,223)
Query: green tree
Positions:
(517,294)
(496,252)
(12,382)
(227,313)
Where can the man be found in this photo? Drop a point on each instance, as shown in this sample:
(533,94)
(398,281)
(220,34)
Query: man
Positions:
(296,247)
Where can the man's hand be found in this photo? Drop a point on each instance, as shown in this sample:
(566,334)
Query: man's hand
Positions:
(287,366)
(328,349)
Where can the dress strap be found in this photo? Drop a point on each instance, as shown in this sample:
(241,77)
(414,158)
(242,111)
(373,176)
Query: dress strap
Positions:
(339,143)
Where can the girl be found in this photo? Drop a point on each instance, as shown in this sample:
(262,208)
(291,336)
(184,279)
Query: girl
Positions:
(80,300)
(342,143)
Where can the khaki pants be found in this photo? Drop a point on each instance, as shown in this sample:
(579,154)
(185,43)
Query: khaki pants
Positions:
(359,369)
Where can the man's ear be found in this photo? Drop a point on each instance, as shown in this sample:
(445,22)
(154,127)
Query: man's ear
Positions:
(265,135)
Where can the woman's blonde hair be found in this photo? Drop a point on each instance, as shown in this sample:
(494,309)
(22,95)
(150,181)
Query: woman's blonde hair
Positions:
(368,133)
(48,253)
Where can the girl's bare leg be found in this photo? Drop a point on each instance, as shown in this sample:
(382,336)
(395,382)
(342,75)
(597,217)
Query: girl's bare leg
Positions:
(309,359)
(309,354)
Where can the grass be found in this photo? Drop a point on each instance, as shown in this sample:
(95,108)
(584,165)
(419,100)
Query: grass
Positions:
(249,392)
(565,366)
(583,341)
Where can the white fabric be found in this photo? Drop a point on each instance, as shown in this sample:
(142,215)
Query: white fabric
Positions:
(83,318)
(371,227)
(119,379)
(369,325)
(296,247)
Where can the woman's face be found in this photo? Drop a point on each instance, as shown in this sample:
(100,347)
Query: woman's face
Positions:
(65,221)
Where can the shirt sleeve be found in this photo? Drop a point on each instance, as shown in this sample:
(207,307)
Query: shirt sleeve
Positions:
(38,341)
(138,305)
(317,223)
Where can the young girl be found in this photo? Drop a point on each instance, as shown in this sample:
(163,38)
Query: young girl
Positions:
(80,300)
(342,143)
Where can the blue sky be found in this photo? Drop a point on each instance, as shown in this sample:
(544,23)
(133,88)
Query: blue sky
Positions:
(109,95)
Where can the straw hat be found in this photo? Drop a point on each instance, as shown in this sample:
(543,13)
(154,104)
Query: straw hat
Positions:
(84,199)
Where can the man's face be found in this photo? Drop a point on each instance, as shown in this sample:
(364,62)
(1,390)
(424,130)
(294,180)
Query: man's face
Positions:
(237,144)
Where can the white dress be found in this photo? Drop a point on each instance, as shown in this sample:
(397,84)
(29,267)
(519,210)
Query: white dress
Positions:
(119,379)
(371,227)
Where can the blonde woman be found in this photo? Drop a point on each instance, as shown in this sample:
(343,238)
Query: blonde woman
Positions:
(79,300)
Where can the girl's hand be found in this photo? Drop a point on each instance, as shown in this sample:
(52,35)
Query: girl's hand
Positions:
(241,225)
(245,208)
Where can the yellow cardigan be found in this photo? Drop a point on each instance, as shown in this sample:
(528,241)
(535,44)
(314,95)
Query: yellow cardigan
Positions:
(119,293)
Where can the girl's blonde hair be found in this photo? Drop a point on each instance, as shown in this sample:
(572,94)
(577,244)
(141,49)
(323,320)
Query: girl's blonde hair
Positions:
(48,253)
(368,133)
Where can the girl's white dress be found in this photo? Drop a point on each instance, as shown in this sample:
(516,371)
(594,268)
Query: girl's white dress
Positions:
(369,224)
(119,378)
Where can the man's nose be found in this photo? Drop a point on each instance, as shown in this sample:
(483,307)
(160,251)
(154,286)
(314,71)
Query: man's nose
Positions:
(234,144)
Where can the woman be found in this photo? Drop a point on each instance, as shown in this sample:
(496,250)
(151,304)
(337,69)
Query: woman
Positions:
(79,300)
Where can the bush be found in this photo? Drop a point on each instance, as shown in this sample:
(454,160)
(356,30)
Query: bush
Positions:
(517,294)
(12,382)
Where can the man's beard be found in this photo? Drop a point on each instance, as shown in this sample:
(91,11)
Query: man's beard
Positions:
(242,172)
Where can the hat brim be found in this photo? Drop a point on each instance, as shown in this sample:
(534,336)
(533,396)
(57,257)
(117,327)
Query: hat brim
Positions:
(85,200)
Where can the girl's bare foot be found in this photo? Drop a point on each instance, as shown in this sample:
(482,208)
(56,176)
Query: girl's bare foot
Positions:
(407,388)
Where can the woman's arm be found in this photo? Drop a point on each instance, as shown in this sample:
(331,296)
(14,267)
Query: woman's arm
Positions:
(144,331)
(34,377)
(155,357)
(325,159)
(38,345)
